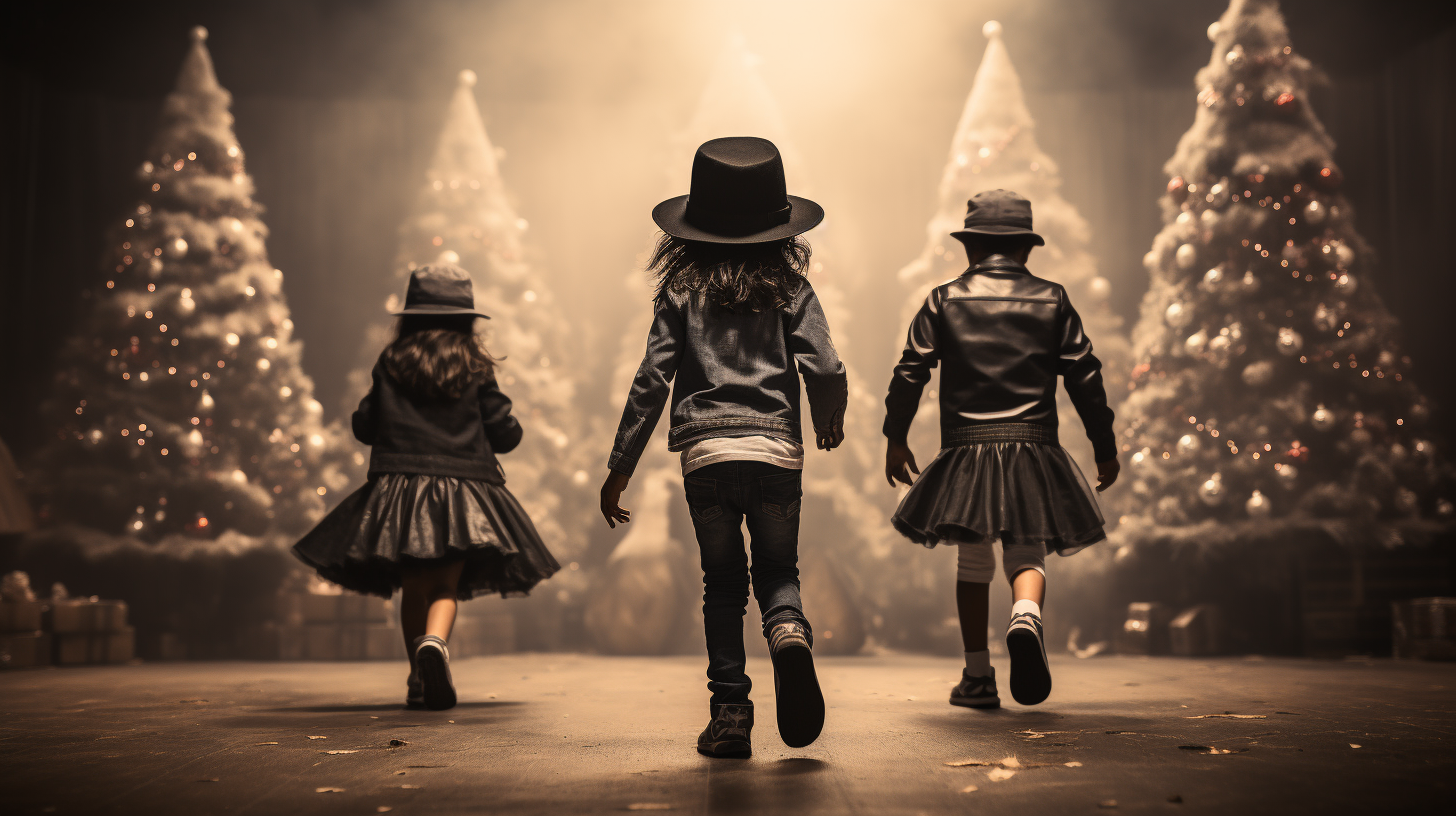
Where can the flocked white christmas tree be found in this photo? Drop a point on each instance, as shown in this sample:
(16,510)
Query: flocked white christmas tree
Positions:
(181,408)
(464,215)
(1271,400)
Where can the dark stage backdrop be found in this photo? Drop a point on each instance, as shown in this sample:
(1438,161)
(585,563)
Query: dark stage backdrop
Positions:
(338,105)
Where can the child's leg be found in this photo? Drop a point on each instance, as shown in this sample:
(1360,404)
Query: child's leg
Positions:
(427,600)
(719,527)
(1031,679)
(1029,584)
(975,567)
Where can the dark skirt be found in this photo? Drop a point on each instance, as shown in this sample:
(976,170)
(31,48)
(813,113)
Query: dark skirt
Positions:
(1019,492)
(397,518)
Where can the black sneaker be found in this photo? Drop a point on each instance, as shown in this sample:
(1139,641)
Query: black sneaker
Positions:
(727,734)
(1031,677)
(432,661)
(975,692)
(414,693)
(796,686)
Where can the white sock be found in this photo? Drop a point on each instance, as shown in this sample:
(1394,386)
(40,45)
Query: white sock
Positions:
(1026,605)
(978,664)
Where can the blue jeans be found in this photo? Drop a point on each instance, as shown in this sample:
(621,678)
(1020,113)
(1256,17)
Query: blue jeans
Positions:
(722,496)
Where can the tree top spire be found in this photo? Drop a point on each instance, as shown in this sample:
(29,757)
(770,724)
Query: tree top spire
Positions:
(991,30)
(467,78)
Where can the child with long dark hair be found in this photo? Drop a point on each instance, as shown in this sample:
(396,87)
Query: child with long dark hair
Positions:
(734,318)
(435,519)
(1002,337)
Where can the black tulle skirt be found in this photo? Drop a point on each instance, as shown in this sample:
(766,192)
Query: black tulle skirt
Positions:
(396,518)
(1019,492)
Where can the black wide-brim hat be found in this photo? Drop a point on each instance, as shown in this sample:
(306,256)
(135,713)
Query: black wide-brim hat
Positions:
(738,196)
(440,290)
(998,212)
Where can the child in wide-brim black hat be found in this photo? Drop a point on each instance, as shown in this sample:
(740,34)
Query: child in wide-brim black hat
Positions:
(735,326)
(1001,338)
(435,519)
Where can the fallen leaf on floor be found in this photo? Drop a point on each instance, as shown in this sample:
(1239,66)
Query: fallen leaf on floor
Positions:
(372,717)
(1107,803)
(490,696)
(962,763)
(409,787)
(649,806)
(1175,799)
(318,737)
(328,790)
(383,809)
(1228,716)
(1116,733)
(1353,745)
(1295,713)
(969,789)
(1210,750)
(1034,735)
(398,743)
(1000,774)
(265,743)
(400,773)
(344,751)
(1073,764)
(452,722)
(912,699)
(1010,762)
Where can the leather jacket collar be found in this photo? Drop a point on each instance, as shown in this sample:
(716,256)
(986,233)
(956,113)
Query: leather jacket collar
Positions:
(997,263)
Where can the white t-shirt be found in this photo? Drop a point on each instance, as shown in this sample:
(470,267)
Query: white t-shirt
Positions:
(779,452)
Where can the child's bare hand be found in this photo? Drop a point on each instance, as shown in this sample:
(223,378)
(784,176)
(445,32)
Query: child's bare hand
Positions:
(1107,473)
(831,438)
(611,495)
(899,463)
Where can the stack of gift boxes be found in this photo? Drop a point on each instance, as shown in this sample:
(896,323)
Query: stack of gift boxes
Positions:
(328,626)
(64,632)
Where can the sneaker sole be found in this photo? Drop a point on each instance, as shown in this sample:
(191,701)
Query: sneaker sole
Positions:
(800,702)
(1031,678)
(435,677)
(964,703)
(726,749)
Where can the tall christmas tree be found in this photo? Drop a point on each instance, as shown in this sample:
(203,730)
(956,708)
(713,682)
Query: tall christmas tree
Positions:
(995,147)
(181,409)
(464,215)
(1270,399)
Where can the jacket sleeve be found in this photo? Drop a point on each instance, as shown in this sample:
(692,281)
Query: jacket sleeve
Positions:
(501,428)
(913,370)
(825,382)
(363,420)
(651,387)
(1082,375)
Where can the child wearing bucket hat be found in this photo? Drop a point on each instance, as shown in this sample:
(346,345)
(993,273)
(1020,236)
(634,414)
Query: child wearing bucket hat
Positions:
(434,519)
(736,326)
(1001,337)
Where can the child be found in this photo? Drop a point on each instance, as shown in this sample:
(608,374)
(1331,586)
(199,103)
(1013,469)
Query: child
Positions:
(1003,335)
(435,519)
(733,318)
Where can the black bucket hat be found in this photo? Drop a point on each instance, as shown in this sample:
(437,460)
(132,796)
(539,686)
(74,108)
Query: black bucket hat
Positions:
(998,212)
(440,290)
(738,196)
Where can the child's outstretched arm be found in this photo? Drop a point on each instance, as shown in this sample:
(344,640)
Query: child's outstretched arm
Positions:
(650,390)
(1082,375)
(907,383)
(825,382)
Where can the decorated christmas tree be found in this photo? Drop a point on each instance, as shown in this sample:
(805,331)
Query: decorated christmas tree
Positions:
(180,408)
(464,215)
(995,147)
(1270,399)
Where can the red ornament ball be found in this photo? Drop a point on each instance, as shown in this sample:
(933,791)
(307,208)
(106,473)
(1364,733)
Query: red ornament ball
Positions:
(1177,189)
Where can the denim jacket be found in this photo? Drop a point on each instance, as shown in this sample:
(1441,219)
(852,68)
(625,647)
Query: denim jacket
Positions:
(732,373)
(1003,336)
(436,437)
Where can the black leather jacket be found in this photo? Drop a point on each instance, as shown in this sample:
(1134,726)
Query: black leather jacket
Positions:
(1003,336)
(446,437)
(735,374)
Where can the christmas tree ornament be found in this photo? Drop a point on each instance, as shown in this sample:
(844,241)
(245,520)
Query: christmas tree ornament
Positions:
(1235,58)
(1322,419)
(1187,256)
(1288,341)
(1099,288)
(1220,347)
(1178,315)
(1212,278)
(1345,284)
(1288,476)
(1406,501)
(1344,254)
(1212,492)
(1177,189)
(1196,342)
(1315,213)
(1188,443)
(1258,374)
(1248,284)
(1258,505)
(1325,318)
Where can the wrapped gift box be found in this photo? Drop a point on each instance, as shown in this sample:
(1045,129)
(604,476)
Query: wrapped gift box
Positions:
(1425,628)
(1145,632)
(1196,632)
(87,616)
(20,616)
(25,650)
(79,648)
